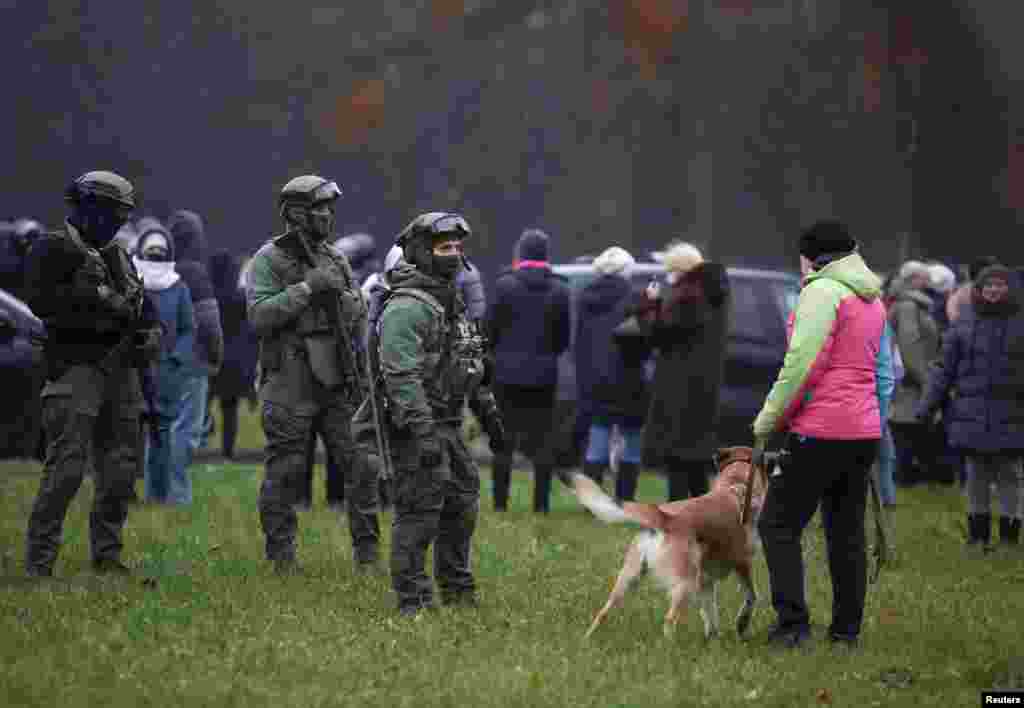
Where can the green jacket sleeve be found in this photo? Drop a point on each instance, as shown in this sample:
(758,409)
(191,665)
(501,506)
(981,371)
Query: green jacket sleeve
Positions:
(403,332)
(271,303)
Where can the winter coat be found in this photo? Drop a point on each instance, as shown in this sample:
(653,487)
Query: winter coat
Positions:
(528,325)
(828,387)
(241,348)
(979,380)
(190,261)
(689,329)
(609,370)
(917,337)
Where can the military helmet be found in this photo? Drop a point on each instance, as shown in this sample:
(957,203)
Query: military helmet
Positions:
(307,191)
(101,183)
(434,224)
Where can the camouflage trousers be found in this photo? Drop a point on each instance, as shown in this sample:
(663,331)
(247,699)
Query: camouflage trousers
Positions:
(436,506)
(78,440)
(284,483)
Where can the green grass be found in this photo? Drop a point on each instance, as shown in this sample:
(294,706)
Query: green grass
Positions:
(220,629)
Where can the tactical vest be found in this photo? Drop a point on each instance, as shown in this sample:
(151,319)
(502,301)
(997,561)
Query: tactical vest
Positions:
(453,359)
(311,335)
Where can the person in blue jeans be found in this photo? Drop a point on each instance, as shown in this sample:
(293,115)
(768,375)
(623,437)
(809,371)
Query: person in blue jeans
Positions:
(166,473)
(611,368)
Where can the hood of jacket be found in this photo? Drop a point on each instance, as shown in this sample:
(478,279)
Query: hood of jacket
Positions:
(148,227)
(853,272)
(604,294)
(189,235)
(406,275)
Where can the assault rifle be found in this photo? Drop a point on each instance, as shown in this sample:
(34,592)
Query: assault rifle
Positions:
(347,353)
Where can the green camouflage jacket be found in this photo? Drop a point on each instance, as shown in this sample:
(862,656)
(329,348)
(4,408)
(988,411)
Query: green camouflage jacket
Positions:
(293,326)
(431,358)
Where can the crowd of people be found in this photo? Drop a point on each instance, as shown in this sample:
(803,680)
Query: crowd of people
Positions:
(919,375)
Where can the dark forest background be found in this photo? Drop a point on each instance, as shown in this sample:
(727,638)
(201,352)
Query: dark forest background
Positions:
(731,123)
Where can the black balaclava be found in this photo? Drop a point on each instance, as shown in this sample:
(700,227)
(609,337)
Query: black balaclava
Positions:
(98,220)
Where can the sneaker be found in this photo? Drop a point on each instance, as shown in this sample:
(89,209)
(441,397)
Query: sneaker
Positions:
(788,637)
(110,566)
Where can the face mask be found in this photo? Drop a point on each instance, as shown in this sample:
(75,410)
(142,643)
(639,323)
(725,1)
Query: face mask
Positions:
(321,222)
(447,267)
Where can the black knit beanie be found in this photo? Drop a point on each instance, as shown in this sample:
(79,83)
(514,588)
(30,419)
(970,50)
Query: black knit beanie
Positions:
(826,237)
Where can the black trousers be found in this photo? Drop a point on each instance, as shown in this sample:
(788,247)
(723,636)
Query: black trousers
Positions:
(834,474)
(688,478)
(528,414)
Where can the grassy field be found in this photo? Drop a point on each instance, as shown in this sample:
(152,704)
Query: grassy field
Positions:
(219,629)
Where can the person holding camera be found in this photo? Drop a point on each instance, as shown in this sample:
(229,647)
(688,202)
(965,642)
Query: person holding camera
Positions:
(826,398)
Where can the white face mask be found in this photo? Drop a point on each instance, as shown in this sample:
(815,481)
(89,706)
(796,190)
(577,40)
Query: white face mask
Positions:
(672,277)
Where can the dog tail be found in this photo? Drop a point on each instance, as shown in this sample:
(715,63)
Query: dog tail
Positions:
(608,510)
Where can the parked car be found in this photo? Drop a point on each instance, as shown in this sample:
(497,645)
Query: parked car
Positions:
(21,377)
(761,303)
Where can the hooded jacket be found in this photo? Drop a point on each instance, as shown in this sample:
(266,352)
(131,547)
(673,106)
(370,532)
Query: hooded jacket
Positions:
(979,380)
(528,326)
(917,337)
(828,387)
(610,370)
(190,242)
(172,300)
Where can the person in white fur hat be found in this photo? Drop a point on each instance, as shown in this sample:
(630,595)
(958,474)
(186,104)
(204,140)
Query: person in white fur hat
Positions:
(610,371)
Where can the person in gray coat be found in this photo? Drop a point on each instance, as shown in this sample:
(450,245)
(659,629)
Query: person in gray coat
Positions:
(917,339)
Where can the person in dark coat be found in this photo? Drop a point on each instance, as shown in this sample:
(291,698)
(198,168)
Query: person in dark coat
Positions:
(979,385)
(612,369)
(15,240)
(189,235)
(528,326)
(688,326)
(236,377)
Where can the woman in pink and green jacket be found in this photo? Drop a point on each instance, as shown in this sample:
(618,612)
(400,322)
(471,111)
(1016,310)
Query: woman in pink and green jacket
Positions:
(836,371)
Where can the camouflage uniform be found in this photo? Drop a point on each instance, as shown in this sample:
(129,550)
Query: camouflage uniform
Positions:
(92,399)
(431,359)
(302,380)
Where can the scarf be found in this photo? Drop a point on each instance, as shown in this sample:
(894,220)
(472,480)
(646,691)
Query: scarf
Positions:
(156,275)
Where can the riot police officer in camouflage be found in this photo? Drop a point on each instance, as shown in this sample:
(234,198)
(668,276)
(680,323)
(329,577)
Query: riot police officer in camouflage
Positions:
(431,359)
(87,292)
(309,314)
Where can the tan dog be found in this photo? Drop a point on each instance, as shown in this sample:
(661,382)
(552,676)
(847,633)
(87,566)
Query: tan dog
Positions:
(691,544)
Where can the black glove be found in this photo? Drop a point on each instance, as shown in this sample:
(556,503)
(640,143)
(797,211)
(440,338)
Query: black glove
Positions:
(323,279)
(495,429)
(117,303)
(430,453)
